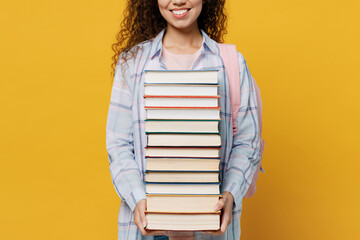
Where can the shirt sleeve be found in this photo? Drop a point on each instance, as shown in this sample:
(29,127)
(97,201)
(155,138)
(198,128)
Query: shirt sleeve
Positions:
(245,152)
(119,140)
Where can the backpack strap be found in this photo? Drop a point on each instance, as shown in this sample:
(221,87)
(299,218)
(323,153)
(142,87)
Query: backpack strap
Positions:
(229,56)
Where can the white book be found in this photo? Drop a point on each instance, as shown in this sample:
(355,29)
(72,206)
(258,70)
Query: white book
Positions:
(186,188)
(180,90)
(184,140)
(182,222)
(181,101)
(182,164)
(176,76)
(183,113)
(182,152)
(176,176)
(189,126)
(181,203)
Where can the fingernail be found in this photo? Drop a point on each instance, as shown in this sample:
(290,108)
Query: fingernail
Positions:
(144,224)
(215,208)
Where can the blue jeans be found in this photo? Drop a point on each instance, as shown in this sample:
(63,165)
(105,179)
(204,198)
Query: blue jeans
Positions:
(162,237)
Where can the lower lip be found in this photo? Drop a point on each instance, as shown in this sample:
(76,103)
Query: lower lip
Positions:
(180,15)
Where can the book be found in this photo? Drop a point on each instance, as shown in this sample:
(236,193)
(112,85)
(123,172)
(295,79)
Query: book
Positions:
(183,221)
(212,113)
(181,101)
(181,176)
(182,76)
(181,203)
(184,140)
(180,90)
(182,188)
(182,164)
(181,152)
(181,126)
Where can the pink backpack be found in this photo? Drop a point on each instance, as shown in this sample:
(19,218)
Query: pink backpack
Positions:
(230,58)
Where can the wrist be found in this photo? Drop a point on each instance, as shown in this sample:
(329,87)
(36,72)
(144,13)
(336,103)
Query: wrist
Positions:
(228,195)
(139,204)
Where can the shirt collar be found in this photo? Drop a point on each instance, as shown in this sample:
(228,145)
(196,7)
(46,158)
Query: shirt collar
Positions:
(207,43)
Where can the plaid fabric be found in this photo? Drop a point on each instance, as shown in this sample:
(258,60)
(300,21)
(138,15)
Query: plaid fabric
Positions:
(126,139)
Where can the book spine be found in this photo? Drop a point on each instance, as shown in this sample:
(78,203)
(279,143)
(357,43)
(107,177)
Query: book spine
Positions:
(184,183)
(207,70)
(183,195)
(184,213)
(176,171)
(161,107)
(182,120)
(215,133)
(171,96)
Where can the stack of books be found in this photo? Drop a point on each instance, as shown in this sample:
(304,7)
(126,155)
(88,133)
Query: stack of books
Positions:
(182,152)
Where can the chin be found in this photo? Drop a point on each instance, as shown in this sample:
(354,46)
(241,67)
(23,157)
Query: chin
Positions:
(181,26)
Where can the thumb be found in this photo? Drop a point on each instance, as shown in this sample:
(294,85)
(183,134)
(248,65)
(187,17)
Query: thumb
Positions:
(219,205)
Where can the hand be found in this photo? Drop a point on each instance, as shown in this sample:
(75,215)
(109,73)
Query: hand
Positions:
(226,204)
(140,219)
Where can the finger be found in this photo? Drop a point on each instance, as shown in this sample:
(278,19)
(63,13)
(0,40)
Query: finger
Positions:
(224,226)
(225,220)
(138,223)
(142,217)
(136,218)
(143,232)
(220,204)
(140,209)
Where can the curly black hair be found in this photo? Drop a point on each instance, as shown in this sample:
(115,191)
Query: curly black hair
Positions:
(143,21)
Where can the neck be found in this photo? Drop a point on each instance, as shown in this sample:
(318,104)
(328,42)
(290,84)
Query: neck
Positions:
(187,40)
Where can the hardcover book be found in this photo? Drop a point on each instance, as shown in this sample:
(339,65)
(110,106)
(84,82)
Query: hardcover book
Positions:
(184,140)
(182,188)
(180,90)
(181,176)
(182,164)
(182,76)
(181,101)
(181,203)
(182,152)
(181,126)
(183,221)
(204,113)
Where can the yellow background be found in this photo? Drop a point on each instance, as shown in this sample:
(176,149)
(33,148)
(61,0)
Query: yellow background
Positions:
(54,95)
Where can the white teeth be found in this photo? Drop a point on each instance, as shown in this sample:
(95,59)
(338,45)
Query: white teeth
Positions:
(179,12)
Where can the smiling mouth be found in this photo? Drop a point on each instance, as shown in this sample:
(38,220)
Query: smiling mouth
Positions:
(180,12)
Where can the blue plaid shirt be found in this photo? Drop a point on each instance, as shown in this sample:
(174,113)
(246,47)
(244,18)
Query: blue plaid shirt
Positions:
(126,139)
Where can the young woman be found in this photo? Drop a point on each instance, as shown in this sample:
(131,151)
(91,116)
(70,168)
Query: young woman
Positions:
(176,35)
